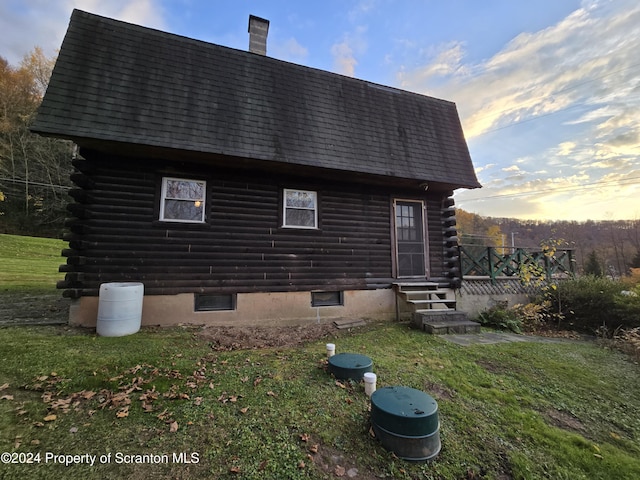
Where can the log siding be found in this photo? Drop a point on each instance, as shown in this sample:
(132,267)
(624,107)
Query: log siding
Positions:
(115,234)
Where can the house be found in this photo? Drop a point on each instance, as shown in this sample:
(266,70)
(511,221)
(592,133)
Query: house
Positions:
(245,190)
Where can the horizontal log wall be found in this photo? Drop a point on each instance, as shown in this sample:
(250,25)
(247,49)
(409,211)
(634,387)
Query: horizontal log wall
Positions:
(115,234)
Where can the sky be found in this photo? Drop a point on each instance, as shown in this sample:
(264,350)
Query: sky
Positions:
(548,91)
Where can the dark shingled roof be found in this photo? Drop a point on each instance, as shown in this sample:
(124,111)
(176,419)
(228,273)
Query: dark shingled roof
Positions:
(118,82)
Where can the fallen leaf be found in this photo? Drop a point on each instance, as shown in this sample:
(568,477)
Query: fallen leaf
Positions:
(6,397)
(304,437)
(4,386)
(198,401)
(87,394)
(35,442)
(50,418)
(173,427)
(349,401)
(123,412)
(257,381)
(340,384)
(271,394)
(244,410)
(38,424)
(263,465)
(339,471)
(301,464)
(235,470)
(614,435)
(314,448)
(73,430)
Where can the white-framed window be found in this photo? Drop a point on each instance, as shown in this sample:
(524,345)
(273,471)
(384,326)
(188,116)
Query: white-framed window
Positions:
(300,208)
(183,200)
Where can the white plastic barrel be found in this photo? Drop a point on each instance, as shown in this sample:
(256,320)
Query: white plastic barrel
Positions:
(119,309)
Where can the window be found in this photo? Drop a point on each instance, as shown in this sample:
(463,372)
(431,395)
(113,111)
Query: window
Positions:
(300,209)
(214,302)
(183,200)
(326,299)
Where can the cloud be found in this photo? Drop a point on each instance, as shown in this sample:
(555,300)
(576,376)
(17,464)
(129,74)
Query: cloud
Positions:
(579,79)
(539,73)
(344,52)
(512,168)
(344,60)
(289,50)
(28,23)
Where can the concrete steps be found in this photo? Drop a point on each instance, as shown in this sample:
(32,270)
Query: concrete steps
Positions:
(434,308)
(442,323)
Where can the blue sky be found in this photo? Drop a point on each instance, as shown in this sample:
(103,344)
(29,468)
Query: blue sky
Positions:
(548,91)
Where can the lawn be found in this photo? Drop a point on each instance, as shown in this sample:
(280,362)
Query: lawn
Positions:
(164,403)
(522,410)
(30,262)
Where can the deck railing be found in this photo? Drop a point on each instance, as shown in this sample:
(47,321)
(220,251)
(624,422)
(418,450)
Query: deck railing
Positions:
(496,262)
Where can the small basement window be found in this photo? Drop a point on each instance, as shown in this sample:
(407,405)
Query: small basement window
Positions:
(183,200)
(327,299)
(300,209)
(215,302)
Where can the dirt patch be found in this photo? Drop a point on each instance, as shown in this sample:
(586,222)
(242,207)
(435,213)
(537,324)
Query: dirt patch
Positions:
(438,391)
(243,338)
(19,308)
(335,463)
(495,368)
(564,420)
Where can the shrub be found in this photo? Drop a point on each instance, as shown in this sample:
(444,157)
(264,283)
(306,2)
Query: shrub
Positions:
(534,316)
(589,302)
(500,316)
(627,307)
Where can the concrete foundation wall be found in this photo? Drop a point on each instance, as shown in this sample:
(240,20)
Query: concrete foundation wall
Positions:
(252,309)
(472,305)
(481,294)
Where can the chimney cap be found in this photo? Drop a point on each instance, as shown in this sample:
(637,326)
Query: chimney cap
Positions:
(253,18)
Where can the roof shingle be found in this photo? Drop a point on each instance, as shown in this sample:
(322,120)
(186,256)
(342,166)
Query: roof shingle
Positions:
(115,81)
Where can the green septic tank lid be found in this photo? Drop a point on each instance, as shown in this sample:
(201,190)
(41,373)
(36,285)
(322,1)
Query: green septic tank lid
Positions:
(350,365)
(404,411)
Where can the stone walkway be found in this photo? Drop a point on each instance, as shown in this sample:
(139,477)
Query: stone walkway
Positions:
(489,338)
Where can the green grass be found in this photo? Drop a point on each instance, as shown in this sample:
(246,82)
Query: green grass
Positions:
(522,410)
(29,262)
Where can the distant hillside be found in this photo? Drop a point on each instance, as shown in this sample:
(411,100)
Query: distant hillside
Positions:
(616,243)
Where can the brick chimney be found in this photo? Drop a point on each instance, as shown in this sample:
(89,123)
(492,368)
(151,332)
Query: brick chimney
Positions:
(258,30)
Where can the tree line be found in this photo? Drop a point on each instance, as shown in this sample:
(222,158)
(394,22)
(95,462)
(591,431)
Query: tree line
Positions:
(34,170)
(600,247)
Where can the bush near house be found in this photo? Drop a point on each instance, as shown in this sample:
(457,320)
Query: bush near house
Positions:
(588,303)
(593,305)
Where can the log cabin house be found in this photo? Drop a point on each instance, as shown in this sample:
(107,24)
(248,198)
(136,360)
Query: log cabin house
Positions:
(245,190)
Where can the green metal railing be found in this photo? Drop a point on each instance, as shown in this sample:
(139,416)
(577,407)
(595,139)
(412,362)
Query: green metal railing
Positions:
(495,262)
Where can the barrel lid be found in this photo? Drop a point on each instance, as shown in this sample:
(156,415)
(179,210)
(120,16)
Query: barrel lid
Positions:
(350,365)
(404,411)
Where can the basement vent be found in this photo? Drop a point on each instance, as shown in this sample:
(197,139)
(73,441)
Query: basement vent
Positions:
(215,302)
(327,299)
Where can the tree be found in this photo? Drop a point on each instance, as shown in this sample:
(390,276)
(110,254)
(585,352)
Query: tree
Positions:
(592,266)
(34,171)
